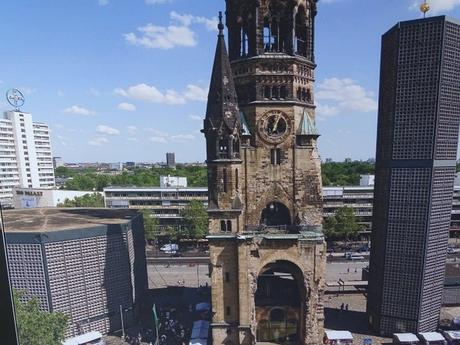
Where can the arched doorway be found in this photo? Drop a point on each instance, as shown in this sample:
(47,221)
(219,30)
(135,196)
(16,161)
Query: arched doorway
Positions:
(274,214)
(279,302)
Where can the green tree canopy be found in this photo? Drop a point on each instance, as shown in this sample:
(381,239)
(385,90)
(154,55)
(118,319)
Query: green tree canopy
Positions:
(345,173)
(343,225)
(196,219)
(87,200)
(150,225)
(37,327)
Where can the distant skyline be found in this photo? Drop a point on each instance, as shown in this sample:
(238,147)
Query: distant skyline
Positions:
(117,87)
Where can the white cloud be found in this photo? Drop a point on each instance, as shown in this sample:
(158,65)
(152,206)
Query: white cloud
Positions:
(60,93)
(195,117)
(103,2)
(148,93)
(159,140)
(127,106)
(187,19)
(132,129)
(177,34)
(107,130)
(437,6)
(326,110)
(154,36)
(182,138)
(196,93)
(77,110)
(133,139)
(99,141)
(344,95)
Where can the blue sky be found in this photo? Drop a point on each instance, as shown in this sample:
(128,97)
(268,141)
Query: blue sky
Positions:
(126,80)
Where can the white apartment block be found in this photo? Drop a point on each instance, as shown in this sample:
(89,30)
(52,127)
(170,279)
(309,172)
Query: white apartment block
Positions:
(26,159)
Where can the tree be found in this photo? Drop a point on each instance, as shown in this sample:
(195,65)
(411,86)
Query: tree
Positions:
(150,226)
(343,225)
(196,219)
(37,327)
(87,200)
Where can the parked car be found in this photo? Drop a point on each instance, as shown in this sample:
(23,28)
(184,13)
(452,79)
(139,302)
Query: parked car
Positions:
(355,256)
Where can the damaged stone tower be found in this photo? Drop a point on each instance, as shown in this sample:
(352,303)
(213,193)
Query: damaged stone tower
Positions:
(264,176)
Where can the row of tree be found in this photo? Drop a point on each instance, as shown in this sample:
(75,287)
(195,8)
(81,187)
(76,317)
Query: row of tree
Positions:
(90,179)
(334,174)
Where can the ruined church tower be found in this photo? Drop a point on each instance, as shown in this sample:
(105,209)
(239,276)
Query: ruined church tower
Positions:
(267,250)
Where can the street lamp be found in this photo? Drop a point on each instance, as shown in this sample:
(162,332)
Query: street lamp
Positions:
(122,320)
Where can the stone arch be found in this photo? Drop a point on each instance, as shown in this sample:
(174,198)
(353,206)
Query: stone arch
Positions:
(280,302)
(276,213)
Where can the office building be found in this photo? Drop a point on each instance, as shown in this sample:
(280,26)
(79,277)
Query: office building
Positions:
(25,155)
(58,162)
(170,160)
(165,203)
(417,137)
(85,263)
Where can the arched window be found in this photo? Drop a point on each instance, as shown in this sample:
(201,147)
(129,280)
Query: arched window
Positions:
(299,94)
(223,148)
(229,225)
(268,39)
(308,95)
(283,92)
(244,42)
(300,41)
(223,226)
(275,92)
(236,148)
(267,92)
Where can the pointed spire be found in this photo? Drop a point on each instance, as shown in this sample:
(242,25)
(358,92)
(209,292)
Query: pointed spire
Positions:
(222,105)
(307,126)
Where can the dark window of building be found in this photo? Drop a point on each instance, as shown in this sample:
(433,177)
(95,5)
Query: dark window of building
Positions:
(223,226)
(225,180)
(237,183)
(227,277)
(229,225)
(275,156)
(275,92)
(228,310)
(267,92)
(283,92)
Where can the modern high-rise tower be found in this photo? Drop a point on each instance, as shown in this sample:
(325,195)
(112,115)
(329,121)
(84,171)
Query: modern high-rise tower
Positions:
(418,124)
(25,154)
(267,250)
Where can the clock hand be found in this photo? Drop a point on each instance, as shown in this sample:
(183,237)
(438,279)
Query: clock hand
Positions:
(275,126)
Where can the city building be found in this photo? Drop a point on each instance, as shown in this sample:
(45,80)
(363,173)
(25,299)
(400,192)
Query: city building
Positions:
(165,203)
(417,137)
(267,250)
(170,160)
(172,181)
(58,162)
(25,155)
(44,197)
(85,263)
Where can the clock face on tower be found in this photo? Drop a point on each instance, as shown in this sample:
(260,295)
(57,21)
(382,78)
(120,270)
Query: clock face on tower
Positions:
(273,126)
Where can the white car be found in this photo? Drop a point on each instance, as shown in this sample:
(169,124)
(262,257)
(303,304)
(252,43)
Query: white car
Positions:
(355,256)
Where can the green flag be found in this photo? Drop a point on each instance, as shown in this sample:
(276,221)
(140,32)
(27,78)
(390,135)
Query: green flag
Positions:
(155,317)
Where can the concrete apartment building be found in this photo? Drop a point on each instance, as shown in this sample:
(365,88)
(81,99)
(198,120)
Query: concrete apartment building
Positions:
(85,263)
(25,155)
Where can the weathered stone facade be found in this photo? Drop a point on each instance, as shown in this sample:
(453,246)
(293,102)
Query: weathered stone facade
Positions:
(264,177)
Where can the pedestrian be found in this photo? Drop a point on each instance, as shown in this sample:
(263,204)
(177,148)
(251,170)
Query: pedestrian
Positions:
(356,270)
(346,307)
(348,270)
(342,306)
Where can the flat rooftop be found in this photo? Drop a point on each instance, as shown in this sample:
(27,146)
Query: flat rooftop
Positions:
(55,219)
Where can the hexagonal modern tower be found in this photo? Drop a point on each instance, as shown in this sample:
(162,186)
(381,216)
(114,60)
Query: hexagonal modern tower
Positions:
(264,177)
